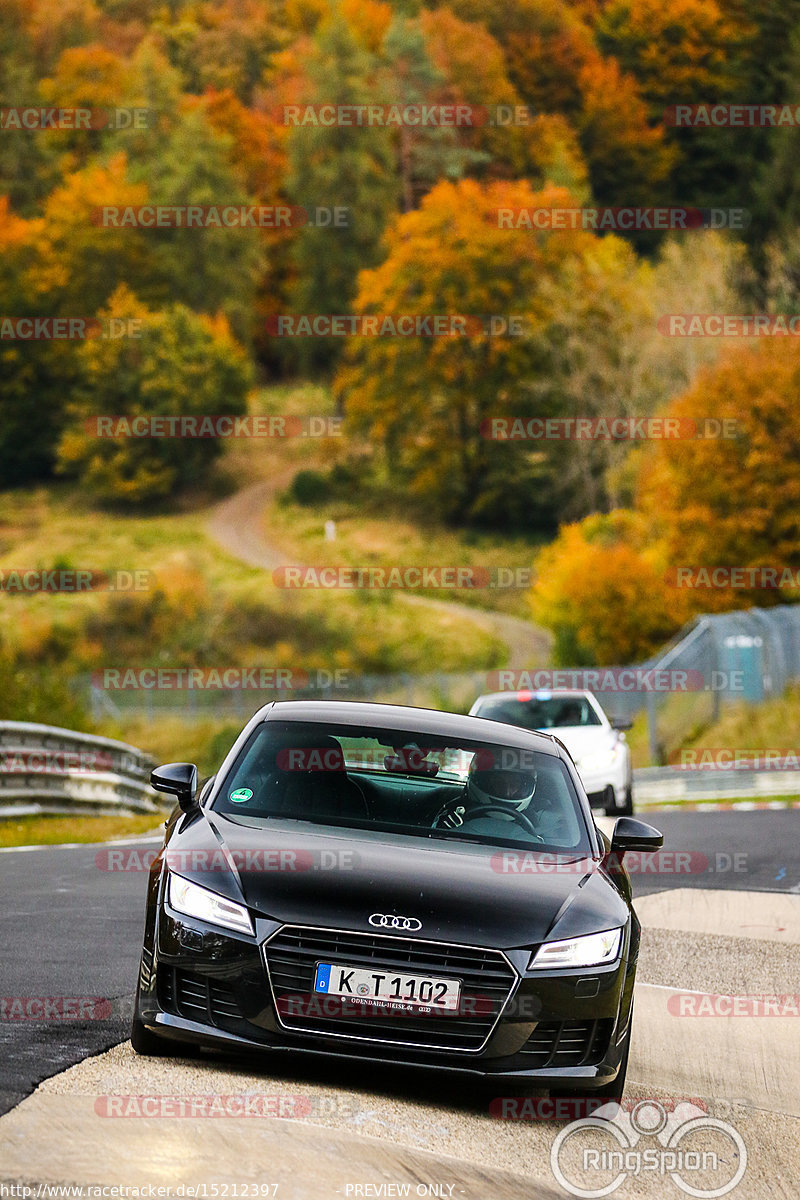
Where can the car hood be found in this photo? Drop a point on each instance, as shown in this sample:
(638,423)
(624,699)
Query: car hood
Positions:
(474,895)
(584,740)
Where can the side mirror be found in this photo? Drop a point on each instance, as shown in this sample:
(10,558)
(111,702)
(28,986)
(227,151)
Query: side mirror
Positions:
(179,780)
(630,834)
(621,724)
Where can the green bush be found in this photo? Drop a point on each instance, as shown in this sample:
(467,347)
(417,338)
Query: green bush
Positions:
(310,487)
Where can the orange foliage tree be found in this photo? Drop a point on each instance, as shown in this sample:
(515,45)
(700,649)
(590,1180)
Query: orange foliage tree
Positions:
(732,500)
(424,399)
(604,597)
(679,52)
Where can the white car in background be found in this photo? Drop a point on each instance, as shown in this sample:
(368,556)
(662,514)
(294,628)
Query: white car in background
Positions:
(596,743)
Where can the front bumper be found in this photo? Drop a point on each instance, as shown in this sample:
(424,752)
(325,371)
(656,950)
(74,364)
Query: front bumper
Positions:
(597,779)
(555,1029)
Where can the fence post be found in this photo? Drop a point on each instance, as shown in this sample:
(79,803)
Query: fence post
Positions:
(652,729)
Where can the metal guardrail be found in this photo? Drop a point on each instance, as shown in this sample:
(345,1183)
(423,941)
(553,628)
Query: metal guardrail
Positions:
(47,769)
(665,785)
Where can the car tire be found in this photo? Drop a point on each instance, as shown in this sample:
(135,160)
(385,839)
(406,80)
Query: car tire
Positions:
(615,1089)
(611,1092)
(627,808)
(146,1043)
(610,806)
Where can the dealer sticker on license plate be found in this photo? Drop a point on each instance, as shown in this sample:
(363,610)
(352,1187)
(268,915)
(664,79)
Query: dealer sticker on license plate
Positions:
(387,987)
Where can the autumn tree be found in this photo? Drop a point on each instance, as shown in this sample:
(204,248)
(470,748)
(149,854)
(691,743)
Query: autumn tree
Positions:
(677,54)
(732,500)
(553,62)
(209,269)
(80,259)
(629,160)
(178,364)
(604,596)
(516,142)
(427,400)
(34,375)
(426,153)
(27,170)
(227,45)
(350,167)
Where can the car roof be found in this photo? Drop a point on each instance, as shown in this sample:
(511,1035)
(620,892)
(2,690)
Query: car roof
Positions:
(533,692)
(401,716)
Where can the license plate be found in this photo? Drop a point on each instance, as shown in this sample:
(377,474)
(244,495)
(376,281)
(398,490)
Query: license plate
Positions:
(388,987)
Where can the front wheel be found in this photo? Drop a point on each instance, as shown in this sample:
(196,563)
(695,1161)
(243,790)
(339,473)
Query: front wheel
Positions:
(147,1043)
(614,1090)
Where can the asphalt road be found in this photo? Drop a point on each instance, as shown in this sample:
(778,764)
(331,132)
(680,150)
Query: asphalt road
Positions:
(749,851)
(68,929)
(72,930)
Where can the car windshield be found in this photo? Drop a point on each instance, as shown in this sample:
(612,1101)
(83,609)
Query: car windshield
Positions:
(548,712)
(404,782)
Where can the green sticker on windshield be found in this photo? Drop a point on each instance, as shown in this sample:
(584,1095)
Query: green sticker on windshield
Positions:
(241,795)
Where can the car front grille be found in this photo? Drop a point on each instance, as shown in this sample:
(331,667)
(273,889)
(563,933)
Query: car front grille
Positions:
(568,1043)
(198,998)
(487,980)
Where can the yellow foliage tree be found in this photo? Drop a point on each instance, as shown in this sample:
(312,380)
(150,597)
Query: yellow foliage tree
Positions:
(604,597)
(732,500)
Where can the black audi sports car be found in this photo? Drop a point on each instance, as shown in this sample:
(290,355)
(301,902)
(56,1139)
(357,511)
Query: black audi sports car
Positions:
(393,884)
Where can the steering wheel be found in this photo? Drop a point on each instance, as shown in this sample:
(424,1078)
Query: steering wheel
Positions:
(507,810)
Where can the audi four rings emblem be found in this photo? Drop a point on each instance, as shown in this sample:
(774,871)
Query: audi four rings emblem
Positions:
(390,921)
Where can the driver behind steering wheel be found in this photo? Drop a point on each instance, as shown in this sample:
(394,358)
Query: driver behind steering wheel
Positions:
(492,798)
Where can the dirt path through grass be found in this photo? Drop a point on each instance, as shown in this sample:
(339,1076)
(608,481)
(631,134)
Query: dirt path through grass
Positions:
(237,524)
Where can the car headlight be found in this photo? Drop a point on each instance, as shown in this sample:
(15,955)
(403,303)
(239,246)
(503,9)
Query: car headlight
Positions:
(195,901)
(592,950)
